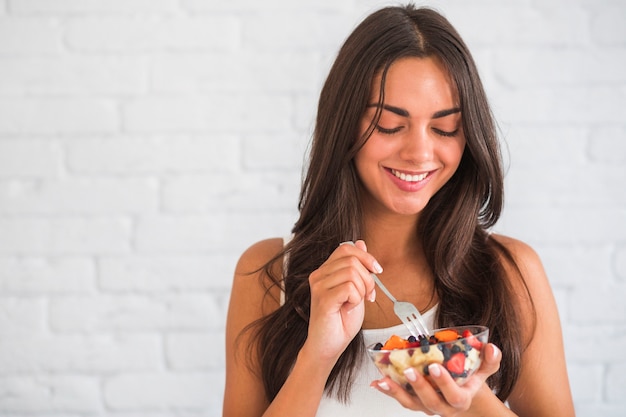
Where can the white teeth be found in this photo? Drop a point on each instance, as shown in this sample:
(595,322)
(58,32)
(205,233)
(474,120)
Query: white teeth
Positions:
(409,178)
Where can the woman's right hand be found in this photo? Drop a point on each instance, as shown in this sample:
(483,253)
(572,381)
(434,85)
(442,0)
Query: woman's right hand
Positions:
(339,288)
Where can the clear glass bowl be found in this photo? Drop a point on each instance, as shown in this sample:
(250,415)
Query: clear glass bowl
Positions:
(461,356)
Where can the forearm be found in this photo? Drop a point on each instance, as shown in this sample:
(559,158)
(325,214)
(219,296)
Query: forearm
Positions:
(303,390)
(486,404)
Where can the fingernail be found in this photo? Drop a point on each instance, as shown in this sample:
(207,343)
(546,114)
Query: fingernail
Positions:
(496,352)
(377,268)
(383,385)
(373,295)
(434,370)
(409,373)
(347,243)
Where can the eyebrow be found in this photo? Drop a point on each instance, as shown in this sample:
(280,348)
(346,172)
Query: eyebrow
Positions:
(404,113)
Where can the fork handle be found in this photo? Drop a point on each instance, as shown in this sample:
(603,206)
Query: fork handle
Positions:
(382,287)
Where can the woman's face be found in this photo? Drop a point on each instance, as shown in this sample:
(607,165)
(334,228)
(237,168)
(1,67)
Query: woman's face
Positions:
(418,142)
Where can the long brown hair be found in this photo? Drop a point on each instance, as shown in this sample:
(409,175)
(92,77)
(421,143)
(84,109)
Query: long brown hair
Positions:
(467,264)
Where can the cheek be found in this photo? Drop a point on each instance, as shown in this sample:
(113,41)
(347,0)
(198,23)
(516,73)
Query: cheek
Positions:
(455,152)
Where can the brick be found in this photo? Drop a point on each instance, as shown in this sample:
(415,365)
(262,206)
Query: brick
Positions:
(595,409)
(571,66)
(167,273)
(305,112)
(36,158)
(199,234)
(132,313)
(79,196)
(240,191)
(306,31)
(578,345)
(34,275)
(504,24)
(608,145)
(57,116)
(525,146)
(172,154)
(195,351)
(245,71)
(220,113)
(95,7)
(54,393)
(607,25)
(78,354)
(604,304)
(153,33)
(619,262)
(245,6)
(21,317)
(550,105)
(615,382)
(32,36)
(64,235)
(160,390)
(543,226)
(570,266)
(586,382)
(73,75)
(563,184)
(276,151)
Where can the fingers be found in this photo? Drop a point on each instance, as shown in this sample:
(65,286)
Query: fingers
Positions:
(366,258)
(353,257)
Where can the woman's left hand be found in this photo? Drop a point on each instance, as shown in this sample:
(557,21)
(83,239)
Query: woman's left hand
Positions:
(452,400)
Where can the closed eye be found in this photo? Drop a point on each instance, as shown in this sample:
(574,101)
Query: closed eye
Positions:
(446,133)
(386,131)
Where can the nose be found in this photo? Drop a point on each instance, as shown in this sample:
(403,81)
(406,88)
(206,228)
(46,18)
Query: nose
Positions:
(418,145)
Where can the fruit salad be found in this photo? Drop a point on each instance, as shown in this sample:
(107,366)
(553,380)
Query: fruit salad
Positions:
(456,348)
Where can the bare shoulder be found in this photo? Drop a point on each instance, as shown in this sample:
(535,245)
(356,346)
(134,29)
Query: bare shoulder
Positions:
(257,255)
(521,251)
(526,259)
(251,281)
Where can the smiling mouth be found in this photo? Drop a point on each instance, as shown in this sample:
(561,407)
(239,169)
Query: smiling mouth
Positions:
(408,177)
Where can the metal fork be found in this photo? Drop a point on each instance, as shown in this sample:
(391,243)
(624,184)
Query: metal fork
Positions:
(407,312)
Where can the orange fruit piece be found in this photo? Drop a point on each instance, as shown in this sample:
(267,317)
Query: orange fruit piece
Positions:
(447,335)
(395,342)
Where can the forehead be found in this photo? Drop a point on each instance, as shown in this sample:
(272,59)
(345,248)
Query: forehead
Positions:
(414,83)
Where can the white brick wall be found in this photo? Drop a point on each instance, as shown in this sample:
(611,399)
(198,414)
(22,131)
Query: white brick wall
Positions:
(145,143)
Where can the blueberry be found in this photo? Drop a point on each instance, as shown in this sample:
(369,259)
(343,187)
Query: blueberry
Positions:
(424,345)
(446,352)
(378,346)
(411,339)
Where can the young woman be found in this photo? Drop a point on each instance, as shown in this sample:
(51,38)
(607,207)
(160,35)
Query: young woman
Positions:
(405,163)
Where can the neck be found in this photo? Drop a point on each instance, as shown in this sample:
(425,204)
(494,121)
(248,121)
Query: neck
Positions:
(392,238)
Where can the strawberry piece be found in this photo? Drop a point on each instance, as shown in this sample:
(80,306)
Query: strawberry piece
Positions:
(472,340)
(456,364)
